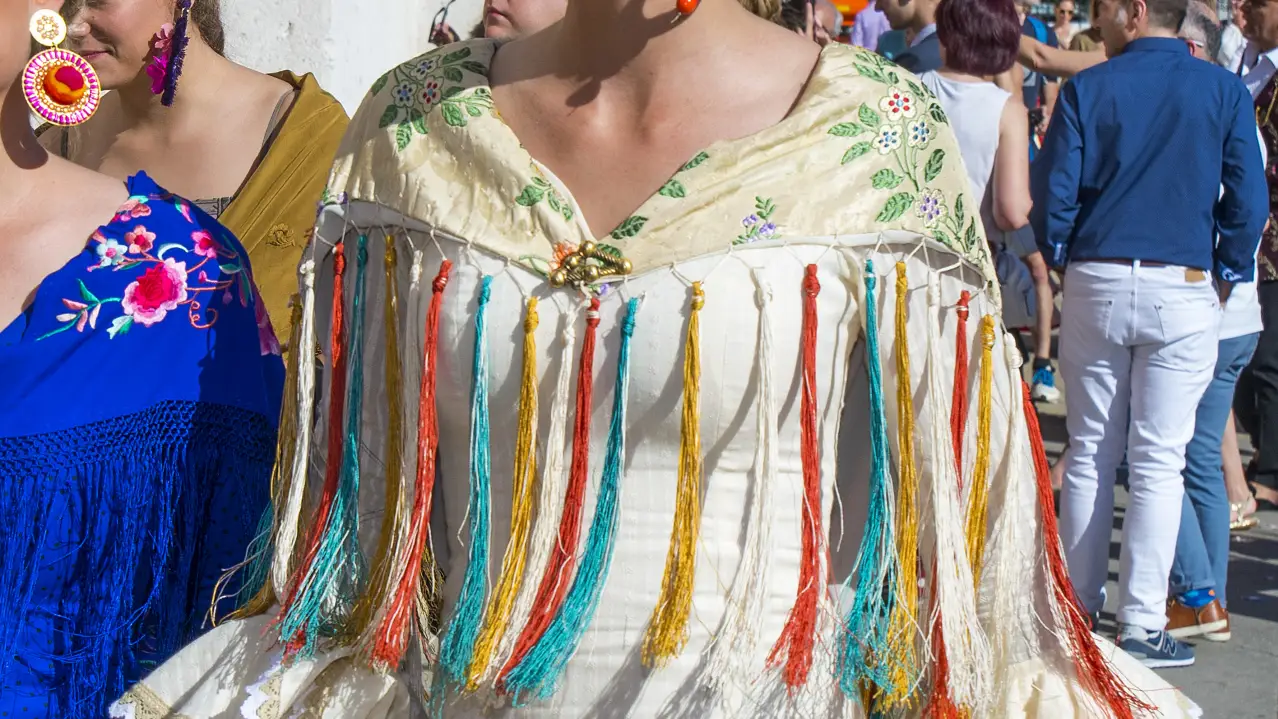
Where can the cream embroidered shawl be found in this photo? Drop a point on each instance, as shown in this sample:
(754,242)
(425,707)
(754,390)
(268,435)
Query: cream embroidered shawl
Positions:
(865,168)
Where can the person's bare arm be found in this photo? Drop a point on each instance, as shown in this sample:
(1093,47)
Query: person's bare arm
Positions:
(1011,180)
(1055,61)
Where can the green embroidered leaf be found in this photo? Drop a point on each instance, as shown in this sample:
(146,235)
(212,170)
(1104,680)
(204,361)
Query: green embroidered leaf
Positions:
(886,179)
(944,238)
(856,151)
(229,269)
(895,206)
(388,117)
(553,200)
(380,83)
(127,265)
(938,114)
(695,162)
(868,116)
(673,189)
(934,165)
(609,250)
(764,207)
(958,212)
(846,129)
(452,91)
(473,111)
(893,77)
(453,114)
(119,326)
(87,295)
(403,136)
(418,119)
(475,68)
(452,74)
(531,195)
(458,56)
(871,72)
(541,182)
(971,238)
(919,91)
(631,227)
(565,211)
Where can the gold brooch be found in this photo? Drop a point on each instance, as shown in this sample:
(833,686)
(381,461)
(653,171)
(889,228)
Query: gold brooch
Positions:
(589,264)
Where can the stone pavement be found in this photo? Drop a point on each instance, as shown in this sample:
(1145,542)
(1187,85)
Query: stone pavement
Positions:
(1236,679)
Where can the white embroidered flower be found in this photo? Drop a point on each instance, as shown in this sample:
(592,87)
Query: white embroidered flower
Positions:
(920,133)
(931,207)
(888,139)
(898,105)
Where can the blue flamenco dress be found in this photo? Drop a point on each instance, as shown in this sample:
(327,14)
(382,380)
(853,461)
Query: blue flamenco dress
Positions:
(138,412)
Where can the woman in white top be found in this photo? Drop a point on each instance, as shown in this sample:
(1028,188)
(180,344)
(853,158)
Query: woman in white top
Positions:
(979,40)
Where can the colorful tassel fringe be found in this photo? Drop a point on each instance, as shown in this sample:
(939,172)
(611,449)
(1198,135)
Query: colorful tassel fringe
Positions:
(962,670)
(798,637)
(550,504)
(903,627)
(391,638)
(979,493)
(521,511)
(381,577)
(864,660)
(559,570)
(1093,670)
(668,628)
(458,645)
(537,674)
(959,405)
(334,564)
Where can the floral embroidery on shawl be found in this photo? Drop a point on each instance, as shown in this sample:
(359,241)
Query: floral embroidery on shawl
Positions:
(434,81)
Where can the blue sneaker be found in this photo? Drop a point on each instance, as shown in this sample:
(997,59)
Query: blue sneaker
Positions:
(1043,387)
(1156,650)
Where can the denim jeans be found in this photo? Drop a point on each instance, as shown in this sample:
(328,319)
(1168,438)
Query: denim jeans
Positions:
(1202,547)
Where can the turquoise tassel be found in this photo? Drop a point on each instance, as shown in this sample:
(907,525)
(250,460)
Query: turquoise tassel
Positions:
(468,615)
(863,656)
(333,582)
(540,669)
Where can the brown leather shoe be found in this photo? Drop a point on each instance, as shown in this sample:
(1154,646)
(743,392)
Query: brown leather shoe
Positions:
(1184,622)
(1220,635)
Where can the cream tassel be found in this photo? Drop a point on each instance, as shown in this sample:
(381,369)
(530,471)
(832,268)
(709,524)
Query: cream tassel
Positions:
(730,651)
(966,646)
(303,343)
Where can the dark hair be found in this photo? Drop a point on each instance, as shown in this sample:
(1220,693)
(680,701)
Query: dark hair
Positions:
(207,16)
(1166,14)
(981,37)
(793,16)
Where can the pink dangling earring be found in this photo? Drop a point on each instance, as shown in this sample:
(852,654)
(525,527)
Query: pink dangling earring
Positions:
(60,86)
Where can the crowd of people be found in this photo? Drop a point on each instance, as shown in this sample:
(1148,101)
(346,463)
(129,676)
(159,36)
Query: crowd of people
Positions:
(788,463)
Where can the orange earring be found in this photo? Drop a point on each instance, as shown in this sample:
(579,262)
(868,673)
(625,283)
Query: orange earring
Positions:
(60,86)
(686,7)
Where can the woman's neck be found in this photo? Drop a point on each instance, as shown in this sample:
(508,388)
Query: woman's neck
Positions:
(21,154)
(203,79)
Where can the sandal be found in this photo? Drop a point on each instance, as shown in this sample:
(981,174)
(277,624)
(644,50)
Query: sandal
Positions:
(1241,520)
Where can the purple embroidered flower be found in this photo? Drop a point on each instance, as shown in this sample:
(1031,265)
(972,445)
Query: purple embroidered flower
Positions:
(931,207)
(421,68)
(750,221)
(111,253)
(403,94)
(767,231)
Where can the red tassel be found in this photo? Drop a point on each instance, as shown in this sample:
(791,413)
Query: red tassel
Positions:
(336,414)
(1094,673)
(940,705)
(558,576)
(799,635)
(958,410)
(391,638)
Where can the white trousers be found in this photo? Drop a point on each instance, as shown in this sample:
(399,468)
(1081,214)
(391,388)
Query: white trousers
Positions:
(1136,343)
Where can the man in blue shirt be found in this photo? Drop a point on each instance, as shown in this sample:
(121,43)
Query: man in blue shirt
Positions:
(919,18)
(1127,202)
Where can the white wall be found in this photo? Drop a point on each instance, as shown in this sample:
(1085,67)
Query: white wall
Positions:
(347,43)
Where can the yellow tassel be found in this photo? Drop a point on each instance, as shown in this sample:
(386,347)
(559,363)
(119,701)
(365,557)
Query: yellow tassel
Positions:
(903,624)
(668,628)
(978,500)
(521,511)
(280,481)
(396,508)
